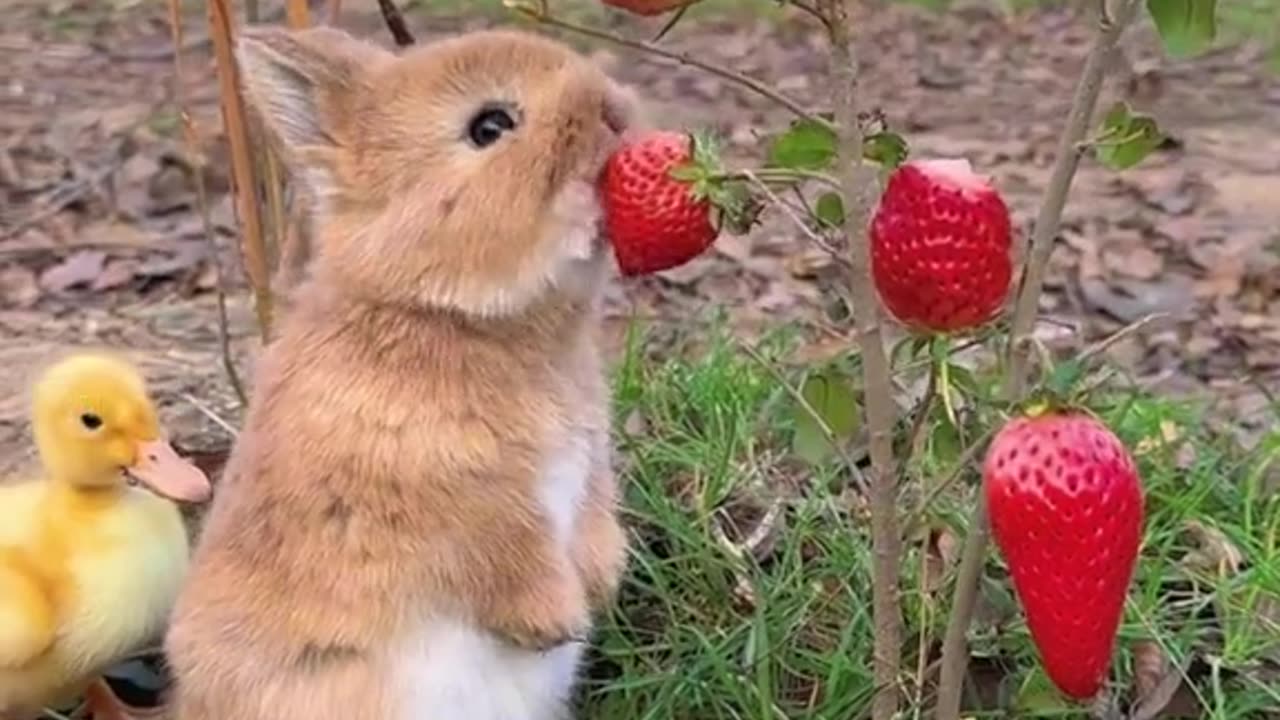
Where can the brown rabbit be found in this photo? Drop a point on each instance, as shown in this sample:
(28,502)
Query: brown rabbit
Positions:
(419,514)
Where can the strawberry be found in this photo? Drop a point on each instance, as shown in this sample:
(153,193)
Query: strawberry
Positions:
(649,7)
(940,247)
(1066,511)
(657,214)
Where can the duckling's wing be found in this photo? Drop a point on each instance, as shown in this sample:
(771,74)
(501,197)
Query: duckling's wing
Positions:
(27,619)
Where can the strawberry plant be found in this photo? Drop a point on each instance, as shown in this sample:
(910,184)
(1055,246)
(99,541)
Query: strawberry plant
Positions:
(928,243)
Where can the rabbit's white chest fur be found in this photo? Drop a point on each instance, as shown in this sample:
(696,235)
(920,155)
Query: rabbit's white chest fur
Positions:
(458,671)
(452,664)
(564,482)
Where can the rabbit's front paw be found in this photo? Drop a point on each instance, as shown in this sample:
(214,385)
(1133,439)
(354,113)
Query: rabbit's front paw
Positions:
(546,616)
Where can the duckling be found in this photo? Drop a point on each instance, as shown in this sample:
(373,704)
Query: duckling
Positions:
(92,553)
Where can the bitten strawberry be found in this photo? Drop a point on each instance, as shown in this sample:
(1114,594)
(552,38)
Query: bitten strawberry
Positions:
(654,220)
(648,7)
(940,247)
(1066,511)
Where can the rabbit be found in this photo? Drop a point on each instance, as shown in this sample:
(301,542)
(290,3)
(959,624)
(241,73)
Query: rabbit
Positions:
(419,518)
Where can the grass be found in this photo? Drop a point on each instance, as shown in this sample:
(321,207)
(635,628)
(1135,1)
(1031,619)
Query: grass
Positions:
(702,631)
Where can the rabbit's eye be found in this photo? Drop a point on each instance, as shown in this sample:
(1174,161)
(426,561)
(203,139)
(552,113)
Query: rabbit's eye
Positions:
(488,125)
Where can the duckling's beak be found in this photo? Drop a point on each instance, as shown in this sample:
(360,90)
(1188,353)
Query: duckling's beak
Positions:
(161,469)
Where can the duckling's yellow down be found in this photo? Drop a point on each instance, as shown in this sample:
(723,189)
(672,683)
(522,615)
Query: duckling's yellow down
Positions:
(89,565)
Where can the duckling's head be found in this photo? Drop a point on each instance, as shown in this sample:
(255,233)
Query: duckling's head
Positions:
(96,429)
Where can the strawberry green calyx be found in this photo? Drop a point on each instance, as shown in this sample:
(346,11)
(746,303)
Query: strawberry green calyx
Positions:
(733,207)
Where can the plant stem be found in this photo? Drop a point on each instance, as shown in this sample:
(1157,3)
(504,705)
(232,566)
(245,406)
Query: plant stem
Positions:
(733,76)
(244,181)
(860,187)
(192,140)
(395,23)
(1110,28)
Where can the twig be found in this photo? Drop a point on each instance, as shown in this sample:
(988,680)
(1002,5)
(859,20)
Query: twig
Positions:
(921,420)
(191,136)
(296,14)
(733,76)
(670,24)
(854,471)
(395,23)
(205,409)
(1101,346)
(817,239)
(957,469)
(233,118)
(812,10)
(859,190)
(781,175)
(62,197)
(955,646)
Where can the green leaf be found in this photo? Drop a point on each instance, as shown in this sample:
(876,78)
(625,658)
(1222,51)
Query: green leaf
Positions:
(1127,137)
(832,397)
(808,145)
(1038,695)
(830,209)
(885,148)
(934,5)
(908,348)
(1065,377)
(1187,27)
(944,444)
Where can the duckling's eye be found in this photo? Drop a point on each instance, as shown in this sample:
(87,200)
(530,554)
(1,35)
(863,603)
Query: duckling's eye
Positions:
(90,421)
(488,125)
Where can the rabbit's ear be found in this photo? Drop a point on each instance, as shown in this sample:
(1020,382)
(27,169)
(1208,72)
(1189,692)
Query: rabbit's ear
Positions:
(302,84)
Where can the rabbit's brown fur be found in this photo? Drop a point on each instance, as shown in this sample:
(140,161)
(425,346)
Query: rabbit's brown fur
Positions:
(425,463)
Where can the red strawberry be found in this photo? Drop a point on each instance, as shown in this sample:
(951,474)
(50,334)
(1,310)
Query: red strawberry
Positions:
(940,242)
(648,7)
(655,221)
(1066,511)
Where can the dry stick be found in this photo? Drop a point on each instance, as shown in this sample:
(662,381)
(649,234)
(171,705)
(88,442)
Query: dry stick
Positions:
(297,17)
(725,73)
(812,10)
(860,187)
(1110,28)
(395,23)
(296,14)
(192,137)
(242,169)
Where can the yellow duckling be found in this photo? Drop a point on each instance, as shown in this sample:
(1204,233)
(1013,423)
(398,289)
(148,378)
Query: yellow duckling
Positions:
(90,563)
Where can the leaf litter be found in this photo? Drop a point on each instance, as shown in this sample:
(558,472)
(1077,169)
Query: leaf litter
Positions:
(100,242)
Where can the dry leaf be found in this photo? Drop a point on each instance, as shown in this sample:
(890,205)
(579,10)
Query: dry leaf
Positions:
(1150,665)
(116,274)
(1141,262)
(1216,553)
(18,288)
(80,268)
(1170,433)
(110,233)
(635,424)
(1155,680)
(186,256)
(942,553)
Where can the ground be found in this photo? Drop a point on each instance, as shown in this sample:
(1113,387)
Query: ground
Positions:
(101,242)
